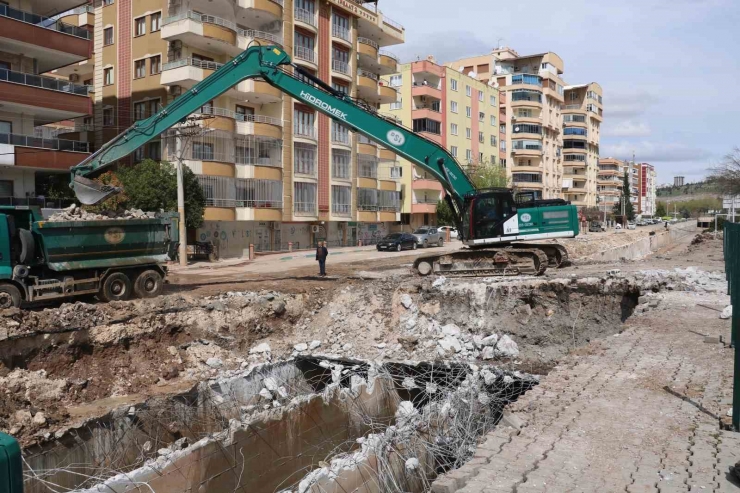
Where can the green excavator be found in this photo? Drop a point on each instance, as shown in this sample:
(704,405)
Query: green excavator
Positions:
(492,223)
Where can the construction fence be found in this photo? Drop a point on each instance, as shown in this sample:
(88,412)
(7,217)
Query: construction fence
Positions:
(732,270)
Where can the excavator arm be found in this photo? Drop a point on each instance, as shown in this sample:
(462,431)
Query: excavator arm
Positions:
(268,64)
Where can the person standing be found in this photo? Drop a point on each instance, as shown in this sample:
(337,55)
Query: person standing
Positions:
(321,253)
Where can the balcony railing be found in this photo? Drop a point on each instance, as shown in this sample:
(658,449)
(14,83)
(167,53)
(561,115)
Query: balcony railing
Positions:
(570,107)
(341,33)
(227,113)
(304,53)
(369,75)
(304,208)
(341,138)
(388,54)
(193,62)
(534,80)
(84,9)
(49,83)
(43,22)
(368,42)
(42,202)
(392,23)
(340,66)
(41,143)
(341,171)
(367,169)
(308,131)
(341,209)
(218,21)
(305,16)
(252,33)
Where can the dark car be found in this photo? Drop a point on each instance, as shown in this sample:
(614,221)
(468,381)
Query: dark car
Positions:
(397,242)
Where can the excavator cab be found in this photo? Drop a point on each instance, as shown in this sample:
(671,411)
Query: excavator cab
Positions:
(486,213)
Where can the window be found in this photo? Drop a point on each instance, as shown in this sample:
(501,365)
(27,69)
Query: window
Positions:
(303,123)
(108,117)
(156,22)
(493,140)
(304,198)
(107,36)
(467,132)
(453,151)
(453,106)
(140,26)
(481,137)
(341,164)
(573,96)
(202,151)
(502,128)
(524,113)
(468,111)
(397,80)
(453,84)
(427,125)
(398,104)
(468,155)
(139,154)
(340,26)
(87,82)
(502,145)
(153,106)
(341,199)
(243,112)
(480,157)
(6,188)
(481,116)
(493,159)
(107,2)
(468,91)
(139,69)
(493,100)
(155,151)
(155,64)
(340,87)
(493,121)
(108,76)
(304,40)
(139,111)
(304,159)
(307,5)
(480,97)
(453,128)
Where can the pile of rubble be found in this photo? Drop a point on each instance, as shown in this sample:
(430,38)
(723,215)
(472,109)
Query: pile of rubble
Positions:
(688,279)
(75,213)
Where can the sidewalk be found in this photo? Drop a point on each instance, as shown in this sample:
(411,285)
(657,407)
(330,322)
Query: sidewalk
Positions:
(636,412)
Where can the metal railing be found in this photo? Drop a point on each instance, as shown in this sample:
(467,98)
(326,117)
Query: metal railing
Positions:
(42,82)
(193,62)
(42,202)
(41,143)
(369,75)
(308,131)
(426,200)
(395,25)
(369,42)
(305,16)
(732,271)
(367,168)
(341,33)
(43,22)
(388,54)
(304,53)
(252,33)
(83,9)
(570,107)
(225,23)
(227,113)
(304,208)
(341,67)
(341,138)
(341,209)
(279,2)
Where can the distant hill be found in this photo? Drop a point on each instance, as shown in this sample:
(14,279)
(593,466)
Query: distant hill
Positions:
(700,195)
(687,190)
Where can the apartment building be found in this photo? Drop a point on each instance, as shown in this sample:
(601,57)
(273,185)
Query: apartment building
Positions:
(678,181)
(648,184)
(33,41)
(274,171)
(533,109)
(609,181)
(452,109)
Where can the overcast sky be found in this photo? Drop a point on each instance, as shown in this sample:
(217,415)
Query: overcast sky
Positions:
(669,69)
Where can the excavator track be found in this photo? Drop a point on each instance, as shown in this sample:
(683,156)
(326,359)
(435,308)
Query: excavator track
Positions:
(485,262)
(557,255)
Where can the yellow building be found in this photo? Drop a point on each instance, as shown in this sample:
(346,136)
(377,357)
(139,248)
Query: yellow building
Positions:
(609,182)
(452,109)
(274,171)
(532,108)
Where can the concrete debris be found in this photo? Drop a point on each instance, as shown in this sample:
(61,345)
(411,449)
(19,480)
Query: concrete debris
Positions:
(487,353)
(39,419)
(506,347)
(451,330)
(300,347)
(406,301)
(412,464)
(726,313)
(449,343)
(314,345)
(75,213)
(270,384)
(266,394)
(260,349)
(439,282)
(214,363)
(409,383)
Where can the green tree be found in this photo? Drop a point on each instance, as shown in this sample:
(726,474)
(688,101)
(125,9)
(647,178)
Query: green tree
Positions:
(486,175)
(445,217)
(660,209)
(152,186)
(629,209)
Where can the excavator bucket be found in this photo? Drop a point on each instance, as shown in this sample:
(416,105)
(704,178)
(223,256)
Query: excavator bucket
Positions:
(90,192)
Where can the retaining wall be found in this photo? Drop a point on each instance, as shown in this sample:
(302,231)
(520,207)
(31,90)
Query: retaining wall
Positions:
(645,246)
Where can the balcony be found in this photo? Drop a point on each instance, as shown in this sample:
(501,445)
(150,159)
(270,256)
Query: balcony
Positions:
(301,53)
(259,12)
(388,62)
(341,138)
(343,68)
(426,90)
(341,33)
(389,170)
(367,85)
(367,50)
(305,19)
(426,184)
(51,42)
(526,80)
(52,99)
(35,152)
(526,148)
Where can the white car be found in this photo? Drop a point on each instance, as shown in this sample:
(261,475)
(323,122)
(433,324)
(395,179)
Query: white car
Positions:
(630,225)
(443,230)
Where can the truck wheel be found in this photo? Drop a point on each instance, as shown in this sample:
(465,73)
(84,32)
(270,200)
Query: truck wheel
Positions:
(149,284)
(10,296)
(117,287)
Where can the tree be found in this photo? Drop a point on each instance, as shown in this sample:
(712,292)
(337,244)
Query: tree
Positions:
(486,175)
(629,209)
(660,209)
(592,214)
(152,186)
(726,175)
(445,217)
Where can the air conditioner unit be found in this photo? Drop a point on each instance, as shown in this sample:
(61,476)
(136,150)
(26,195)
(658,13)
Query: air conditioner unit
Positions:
(74,77)
(513,118)
(175,90)
(315,228)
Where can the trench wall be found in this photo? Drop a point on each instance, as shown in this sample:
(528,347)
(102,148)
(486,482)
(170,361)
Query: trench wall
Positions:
(647,245)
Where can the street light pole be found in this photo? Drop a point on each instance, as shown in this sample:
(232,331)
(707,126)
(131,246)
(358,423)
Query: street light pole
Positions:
(183,247)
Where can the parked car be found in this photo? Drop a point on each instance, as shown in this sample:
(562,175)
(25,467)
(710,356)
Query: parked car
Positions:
(617,226)
(596,227)
(631,226)
(427,236)
(397,242)
(443,231)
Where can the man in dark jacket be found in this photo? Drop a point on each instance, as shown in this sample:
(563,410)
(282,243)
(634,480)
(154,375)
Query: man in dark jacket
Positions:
(321,254)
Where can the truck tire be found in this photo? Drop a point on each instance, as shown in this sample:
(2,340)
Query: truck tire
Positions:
(116,287)
(28,246)
(10,296)
(148,284)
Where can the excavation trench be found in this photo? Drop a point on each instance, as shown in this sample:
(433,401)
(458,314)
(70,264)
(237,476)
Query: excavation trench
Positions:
(308,424)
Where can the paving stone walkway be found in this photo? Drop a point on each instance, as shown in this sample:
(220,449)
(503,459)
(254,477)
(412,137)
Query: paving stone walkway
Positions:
(636,412)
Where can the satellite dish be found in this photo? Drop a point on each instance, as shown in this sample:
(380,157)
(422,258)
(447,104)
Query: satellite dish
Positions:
(496,85)
(516,129)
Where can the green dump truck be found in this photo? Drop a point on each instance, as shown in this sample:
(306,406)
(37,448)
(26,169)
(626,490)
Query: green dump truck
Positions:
(113,259)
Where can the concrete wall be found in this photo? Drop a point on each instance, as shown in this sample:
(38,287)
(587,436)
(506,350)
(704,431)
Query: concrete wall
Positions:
(645,246)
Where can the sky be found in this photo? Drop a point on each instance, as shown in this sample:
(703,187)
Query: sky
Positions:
(669,69)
